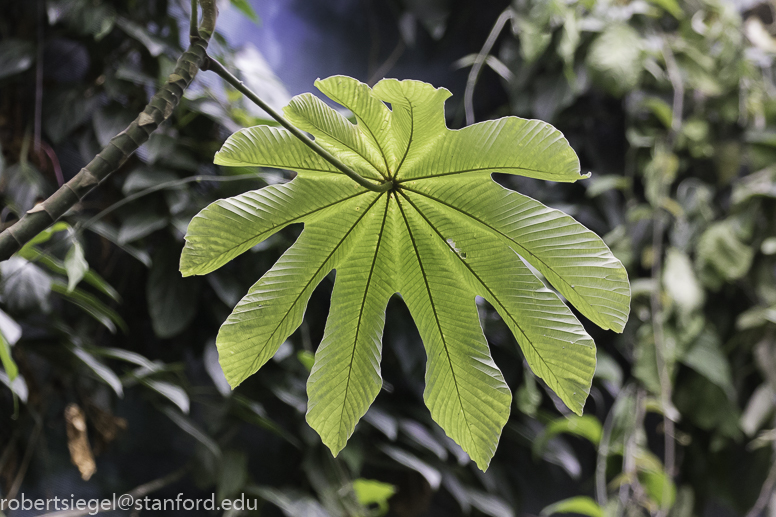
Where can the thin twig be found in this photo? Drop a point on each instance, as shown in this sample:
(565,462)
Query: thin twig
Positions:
(193,34)
(765,493)
(664,376)
(52,156)
(17,482)
(157,484)
(658,233)
(9,447)
(374,36)
(474,73)
(629,456)
(110,159)
(219,69)
(603,449)
(39,78)
(389,63)
(675,76)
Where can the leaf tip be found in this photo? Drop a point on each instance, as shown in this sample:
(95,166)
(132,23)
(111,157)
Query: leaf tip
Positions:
(233,378)
(335,444)
(233,383)
(483,463)
(185,266)
(578,406)
(335,447)
(618,327)
(218,159)
(325,86)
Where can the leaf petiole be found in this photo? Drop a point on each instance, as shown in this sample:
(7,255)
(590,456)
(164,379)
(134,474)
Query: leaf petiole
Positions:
(218,68)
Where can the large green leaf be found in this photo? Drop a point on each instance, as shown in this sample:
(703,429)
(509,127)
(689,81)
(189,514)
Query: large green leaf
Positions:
(444,234)
(274,306)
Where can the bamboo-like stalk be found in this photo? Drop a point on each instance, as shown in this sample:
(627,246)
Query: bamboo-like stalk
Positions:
(121,147)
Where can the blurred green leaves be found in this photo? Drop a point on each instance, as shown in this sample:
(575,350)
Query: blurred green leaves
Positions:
(11,370)
(721,255)
(615,58)
(25,285)
(16,56)
(372,492)
(245,7)
(578,505)
(172,300)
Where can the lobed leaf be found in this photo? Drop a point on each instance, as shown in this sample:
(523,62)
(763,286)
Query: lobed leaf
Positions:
(274,306)
(554,343)
(444,234)
(574,260)
(229,227)
(465,390)
(336,134)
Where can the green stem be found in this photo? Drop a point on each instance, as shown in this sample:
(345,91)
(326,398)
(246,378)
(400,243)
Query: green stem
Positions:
(121,146)
(193,33)
(219,69)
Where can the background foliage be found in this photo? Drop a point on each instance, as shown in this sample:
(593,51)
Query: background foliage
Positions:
(670,105)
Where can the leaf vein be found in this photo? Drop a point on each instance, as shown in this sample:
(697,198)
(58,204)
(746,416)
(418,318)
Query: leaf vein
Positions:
(436,317)
(312,277)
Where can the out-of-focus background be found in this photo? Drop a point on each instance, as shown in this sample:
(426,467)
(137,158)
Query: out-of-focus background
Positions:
(670,104)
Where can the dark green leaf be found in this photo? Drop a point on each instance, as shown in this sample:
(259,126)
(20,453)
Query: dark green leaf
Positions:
(172,299)
(16,56)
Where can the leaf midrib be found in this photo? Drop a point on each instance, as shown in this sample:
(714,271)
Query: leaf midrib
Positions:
(337,99)
(485,286)
(344,144)
(527,252)
(377,144)
(409,140)
(312,277)
(480,169)
(436,318)
(240,163)
(361,313)
(280,226)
